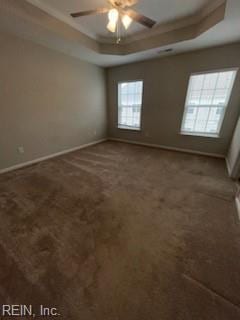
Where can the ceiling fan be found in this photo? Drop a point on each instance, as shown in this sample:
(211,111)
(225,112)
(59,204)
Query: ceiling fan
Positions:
(119,9)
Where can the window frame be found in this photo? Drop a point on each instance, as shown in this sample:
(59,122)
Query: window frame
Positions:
(220,123)
(122,127)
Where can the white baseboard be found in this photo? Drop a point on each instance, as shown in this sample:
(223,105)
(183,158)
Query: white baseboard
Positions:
(215,155)
(238,206)
(28,163)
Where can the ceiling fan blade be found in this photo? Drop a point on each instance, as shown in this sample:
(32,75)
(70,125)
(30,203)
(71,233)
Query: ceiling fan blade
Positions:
(145,21)
(89,12)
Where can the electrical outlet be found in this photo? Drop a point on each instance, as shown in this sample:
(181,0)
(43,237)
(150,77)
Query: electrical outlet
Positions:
(95,132)
(21,150)
(147,134)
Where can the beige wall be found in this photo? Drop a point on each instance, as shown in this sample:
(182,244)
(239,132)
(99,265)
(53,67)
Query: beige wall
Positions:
(233,157)
(165,87)
(49,102)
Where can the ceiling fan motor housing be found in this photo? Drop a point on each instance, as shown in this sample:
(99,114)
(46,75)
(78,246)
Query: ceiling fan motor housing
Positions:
(123,3)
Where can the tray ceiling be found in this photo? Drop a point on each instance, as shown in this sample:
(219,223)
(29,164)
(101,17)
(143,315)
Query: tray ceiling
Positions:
(159,10)
(187,25)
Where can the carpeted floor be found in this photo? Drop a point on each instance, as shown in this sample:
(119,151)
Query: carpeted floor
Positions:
(122,232)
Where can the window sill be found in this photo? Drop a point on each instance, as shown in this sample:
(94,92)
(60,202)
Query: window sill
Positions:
(129,128)
(196,134)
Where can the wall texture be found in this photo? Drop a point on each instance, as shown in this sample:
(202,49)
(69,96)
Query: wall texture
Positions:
(49,102)
(233,158)
(165,87)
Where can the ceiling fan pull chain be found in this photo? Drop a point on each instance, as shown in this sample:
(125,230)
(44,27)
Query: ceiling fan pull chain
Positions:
(118,33)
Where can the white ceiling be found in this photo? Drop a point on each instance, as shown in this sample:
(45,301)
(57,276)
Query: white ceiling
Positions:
(95,26)
(227,31)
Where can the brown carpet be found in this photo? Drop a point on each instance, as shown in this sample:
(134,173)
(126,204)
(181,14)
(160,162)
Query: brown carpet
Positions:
(122,232)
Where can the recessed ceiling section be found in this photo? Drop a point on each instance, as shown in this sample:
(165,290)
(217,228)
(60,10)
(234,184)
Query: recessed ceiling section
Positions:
(176,22)
(161,11)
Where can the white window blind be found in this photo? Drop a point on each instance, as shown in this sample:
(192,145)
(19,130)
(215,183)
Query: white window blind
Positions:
(207,99)
(130,104)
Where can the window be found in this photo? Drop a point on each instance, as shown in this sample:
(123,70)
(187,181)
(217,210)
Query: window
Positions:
(206,103)
(130,104)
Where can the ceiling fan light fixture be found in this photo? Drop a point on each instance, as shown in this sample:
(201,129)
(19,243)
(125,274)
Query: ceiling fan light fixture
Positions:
(118,13)
(113,15)
(112,26)
(126,21)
